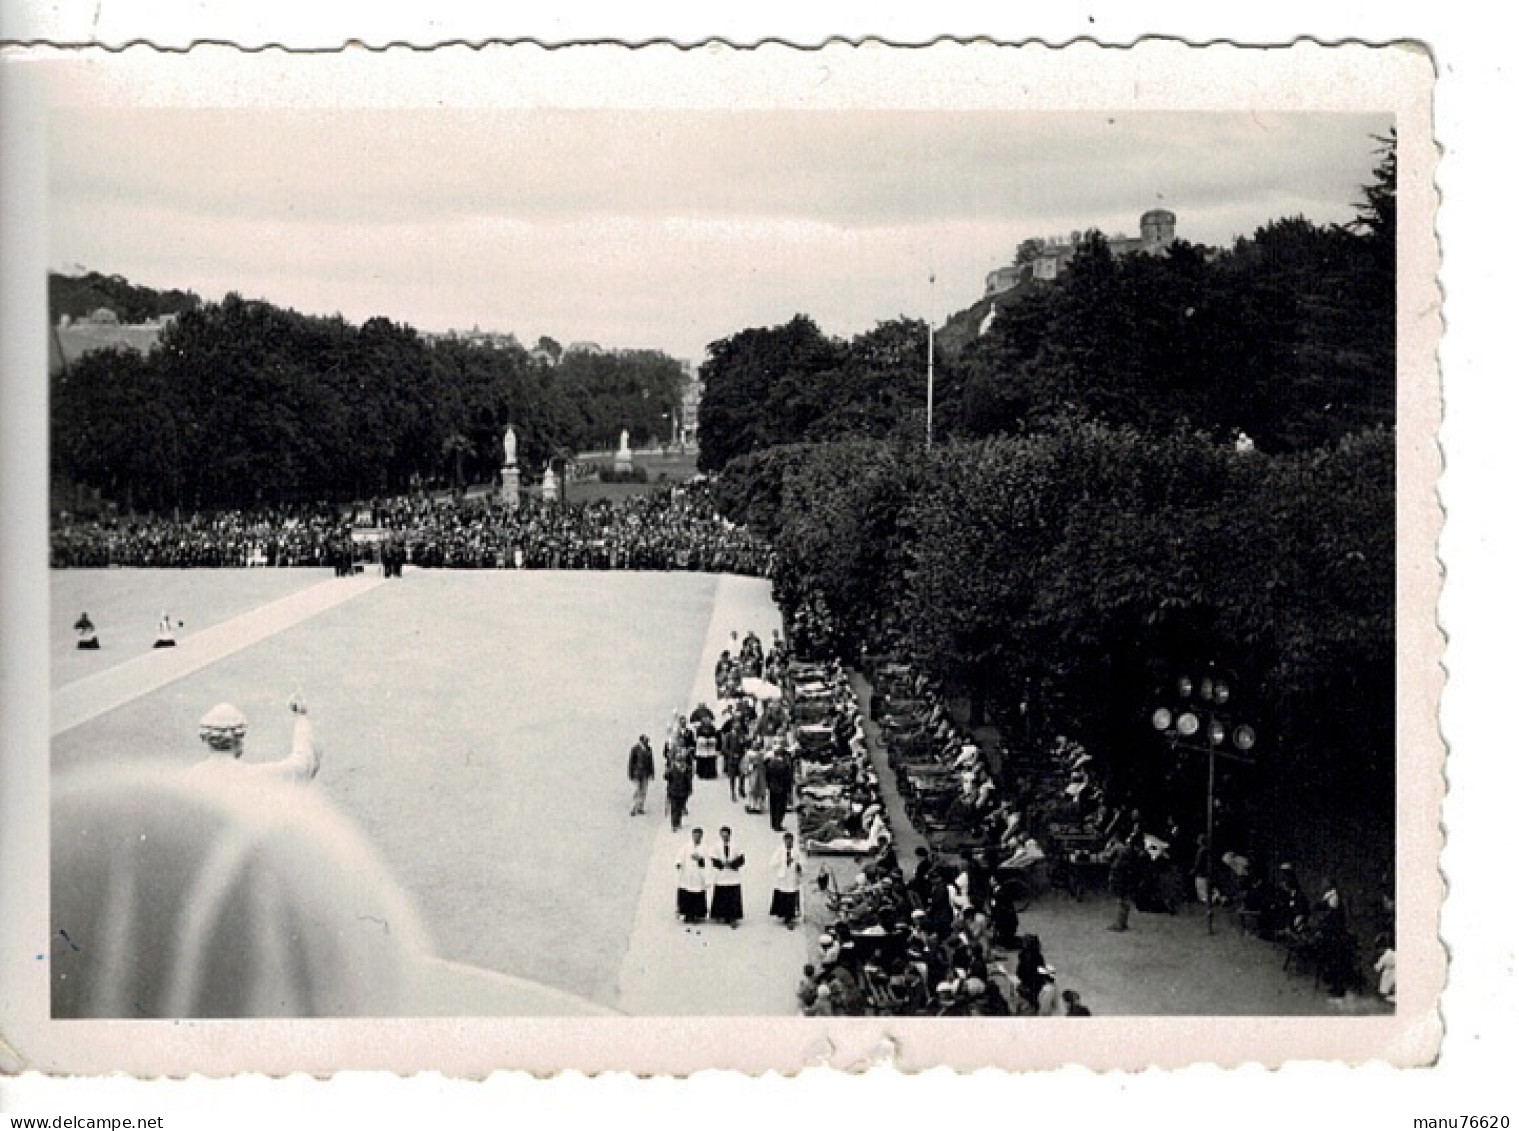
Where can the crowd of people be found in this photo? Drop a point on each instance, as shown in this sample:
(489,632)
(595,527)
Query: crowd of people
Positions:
(1157,866)
(938,941)
(1052,811)
(994,835)
(789,738)
(219,540)
(1051,816)
(673,529)
(949,784)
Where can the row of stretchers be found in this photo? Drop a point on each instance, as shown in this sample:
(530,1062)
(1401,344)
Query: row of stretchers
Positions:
(838,803)
(931,759)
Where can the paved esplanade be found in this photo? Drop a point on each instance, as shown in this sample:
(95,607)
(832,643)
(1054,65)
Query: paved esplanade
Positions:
(709,969)
(503,814)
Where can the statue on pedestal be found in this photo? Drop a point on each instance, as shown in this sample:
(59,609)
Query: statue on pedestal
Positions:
(510,476)
(623,462)
(550,484)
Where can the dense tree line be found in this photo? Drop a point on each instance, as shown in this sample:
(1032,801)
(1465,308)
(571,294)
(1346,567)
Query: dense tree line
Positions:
(1064,576)
(244,403)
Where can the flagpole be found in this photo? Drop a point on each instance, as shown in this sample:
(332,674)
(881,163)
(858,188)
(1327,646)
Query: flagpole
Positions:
(930,442)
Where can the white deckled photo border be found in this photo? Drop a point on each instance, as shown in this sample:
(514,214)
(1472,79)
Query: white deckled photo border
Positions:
(976,75)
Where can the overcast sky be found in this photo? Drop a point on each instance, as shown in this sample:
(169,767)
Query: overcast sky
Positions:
(662,229)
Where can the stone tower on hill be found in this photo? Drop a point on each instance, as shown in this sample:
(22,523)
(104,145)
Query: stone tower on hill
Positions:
(1049,258)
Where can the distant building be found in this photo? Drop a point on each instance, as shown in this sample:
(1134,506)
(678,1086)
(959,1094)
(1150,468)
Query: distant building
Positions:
(1157,231)
(72,338)
(583,347)
(483,339)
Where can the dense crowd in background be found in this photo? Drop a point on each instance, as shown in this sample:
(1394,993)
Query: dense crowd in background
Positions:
(219,540)
(673,529)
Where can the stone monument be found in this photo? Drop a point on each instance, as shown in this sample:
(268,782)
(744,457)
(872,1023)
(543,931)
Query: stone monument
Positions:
(511,474)
(550,484)
(623,463)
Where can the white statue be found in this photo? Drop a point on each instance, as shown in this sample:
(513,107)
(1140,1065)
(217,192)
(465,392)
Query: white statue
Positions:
(509,443)
(624,446)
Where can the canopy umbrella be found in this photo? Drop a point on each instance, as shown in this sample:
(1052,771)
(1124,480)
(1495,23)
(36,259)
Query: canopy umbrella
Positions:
(759,688)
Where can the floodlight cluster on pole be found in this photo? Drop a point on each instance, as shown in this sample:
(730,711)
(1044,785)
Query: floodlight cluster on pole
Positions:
(1200,720)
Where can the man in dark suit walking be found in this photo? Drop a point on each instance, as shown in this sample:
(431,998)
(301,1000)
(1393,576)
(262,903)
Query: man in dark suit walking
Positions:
(640,772)
(778,780)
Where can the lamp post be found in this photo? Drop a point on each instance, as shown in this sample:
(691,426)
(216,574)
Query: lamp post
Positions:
(566,461)
(1198,719)
(930,429)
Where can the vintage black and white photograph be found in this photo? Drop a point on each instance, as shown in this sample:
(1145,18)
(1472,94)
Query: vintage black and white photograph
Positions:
(918,564)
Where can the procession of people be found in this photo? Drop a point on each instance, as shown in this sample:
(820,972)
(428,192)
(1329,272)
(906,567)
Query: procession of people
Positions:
(793,745)
(745,751)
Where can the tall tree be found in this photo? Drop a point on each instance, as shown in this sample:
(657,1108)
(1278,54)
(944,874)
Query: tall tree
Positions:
(762,387)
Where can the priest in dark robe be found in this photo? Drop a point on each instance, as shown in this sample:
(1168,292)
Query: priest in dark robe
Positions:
(727,880)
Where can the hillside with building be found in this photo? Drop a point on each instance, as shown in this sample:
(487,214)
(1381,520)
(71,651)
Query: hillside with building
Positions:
(1048,258)
(1043,260)
(89,311)
(72,338)
(83,294)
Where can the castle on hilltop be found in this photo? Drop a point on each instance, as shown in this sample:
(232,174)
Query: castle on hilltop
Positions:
(1048,258)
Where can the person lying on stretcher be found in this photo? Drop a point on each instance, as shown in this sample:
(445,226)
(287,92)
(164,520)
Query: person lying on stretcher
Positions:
(876,831)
